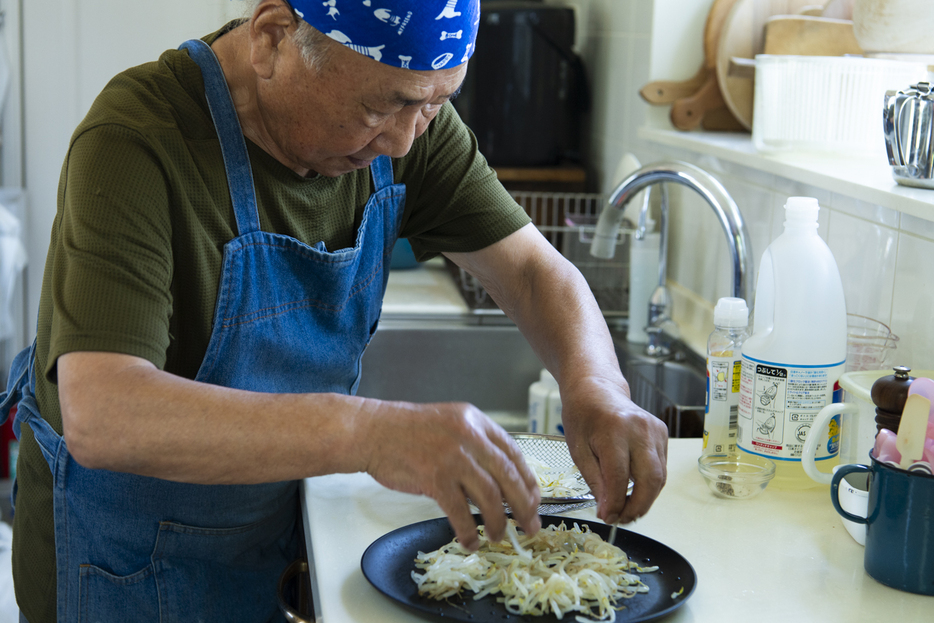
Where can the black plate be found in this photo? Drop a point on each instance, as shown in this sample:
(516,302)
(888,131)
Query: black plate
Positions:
(389,561)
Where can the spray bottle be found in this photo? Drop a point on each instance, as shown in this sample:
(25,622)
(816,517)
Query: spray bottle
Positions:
(797,351)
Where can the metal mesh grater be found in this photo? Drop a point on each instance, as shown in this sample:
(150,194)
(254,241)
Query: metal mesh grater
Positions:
(552,450)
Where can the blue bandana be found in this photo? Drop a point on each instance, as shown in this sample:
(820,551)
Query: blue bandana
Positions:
(412,34)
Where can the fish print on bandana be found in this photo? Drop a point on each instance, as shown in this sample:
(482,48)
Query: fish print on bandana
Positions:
(411,34)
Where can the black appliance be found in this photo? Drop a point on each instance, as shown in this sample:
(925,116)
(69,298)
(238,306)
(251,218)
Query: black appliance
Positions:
(525,91)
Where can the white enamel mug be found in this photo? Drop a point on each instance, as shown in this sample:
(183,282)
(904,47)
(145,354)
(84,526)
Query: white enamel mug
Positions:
(857,422)
(853,494)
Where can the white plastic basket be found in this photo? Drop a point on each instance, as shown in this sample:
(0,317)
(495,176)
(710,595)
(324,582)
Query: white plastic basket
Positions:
(825,103)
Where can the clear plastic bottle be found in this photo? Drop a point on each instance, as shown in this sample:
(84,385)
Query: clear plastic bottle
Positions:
(797,350)
(724,362)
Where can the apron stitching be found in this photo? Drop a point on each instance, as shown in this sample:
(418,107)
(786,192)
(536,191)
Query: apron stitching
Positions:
(337,257)
(303,303)
(329,257)
(307,303)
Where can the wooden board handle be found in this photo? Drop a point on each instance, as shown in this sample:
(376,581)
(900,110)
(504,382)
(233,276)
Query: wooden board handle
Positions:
(664,92)
(688,113)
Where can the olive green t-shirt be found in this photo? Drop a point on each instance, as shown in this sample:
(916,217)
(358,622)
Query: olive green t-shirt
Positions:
(136,247)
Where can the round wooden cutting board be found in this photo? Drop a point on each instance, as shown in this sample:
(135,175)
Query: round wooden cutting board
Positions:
(742,36)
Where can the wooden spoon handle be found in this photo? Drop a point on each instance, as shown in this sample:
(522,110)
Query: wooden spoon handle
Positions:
(912,429)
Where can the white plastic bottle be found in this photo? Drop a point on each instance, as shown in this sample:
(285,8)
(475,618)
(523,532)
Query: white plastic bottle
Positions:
(724,362)
(555,423)
(643,279)
(539,395)
(797,350)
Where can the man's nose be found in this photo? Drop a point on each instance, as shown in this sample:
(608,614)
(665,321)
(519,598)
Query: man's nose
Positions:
(396,139)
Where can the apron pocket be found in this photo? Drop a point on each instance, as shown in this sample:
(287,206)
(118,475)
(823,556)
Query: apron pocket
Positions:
(218,574)
(107,597)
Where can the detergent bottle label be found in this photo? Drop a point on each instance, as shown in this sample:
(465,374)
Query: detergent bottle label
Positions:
(777,404)
(720,413)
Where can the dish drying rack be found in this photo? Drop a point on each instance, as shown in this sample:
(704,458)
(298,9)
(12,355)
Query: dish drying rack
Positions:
(568,221)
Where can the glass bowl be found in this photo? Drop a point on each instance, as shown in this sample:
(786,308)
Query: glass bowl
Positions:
(736,477)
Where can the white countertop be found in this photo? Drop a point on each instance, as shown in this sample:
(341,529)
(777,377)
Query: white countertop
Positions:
(425,289)
(783,556)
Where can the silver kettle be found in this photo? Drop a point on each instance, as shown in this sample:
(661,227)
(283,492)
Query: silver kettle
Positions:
(908,123)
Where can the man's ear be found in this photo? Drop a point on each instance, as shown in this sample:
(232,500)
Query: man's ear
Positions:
(269,27)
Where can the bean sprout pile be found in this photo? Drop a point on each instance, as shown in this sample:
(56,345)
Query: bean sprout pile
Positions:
(557,571)
(555,483)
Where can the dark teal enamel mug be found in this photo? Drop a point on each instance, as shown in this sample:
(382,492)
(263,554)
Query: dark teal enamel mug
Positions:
(899,525)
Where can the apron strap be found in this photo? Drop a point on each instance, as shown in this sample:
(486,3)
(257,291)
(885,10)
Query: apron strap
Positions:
(21,395)
(381,170)
(49,441)
(233,145)
(18,379)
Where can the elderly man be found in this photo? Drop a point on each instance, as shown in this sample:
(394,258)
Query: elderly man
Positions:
(217,264)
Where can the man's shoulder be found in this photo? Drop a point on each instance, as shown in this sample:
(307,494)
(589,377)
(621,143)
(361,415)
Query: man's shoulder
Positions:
(166,95)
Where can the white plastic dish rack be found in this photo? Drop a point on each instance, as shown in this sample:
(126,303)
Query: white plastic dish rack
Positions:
(568,221)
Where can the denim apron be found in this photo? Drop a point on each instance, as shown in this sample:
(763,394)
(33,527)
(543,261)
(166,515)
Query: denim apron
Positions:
(290,317)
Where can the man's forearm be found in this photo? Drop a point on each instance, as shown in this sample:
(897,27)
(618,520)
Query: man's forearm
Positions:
(123,414)
(551,303)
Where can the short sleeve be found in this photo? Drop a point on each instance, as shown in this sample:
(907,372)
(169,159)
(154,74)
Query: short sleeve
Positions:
(111,258)
(454,201)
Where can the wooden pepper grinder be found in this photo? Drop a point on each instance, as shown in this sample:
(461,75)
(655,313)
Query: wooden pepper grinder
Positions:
(889,394)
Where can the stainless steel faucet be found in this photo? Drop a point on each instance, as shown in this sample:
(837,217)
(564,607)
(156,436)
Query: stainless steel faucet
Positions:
(713,192)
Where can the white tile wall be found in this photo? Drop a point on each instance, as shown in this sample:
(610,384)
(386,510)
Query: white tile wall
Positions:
(868,277)
(884,257)
(913,299)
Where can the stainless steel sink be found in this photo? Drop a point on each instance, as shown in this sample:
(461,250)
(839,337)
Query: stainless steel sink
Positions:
(487,362)
(673,388)
(672,391)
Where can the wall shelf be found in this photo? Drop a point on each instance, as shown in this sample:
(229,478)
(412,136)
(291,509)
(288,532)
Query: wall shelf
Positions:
(866,178)
(561,178)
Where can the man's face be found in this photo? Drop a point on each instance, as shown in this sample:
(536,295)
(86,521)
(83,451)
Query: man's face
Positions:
(340,118)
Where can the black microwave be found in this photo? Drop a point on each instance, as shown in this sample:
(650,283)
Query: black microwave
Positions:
(525,92)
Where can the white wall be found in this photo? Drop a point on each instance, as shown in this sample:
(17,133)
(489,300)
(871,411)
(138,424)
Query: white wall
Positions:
(884,256)
(71,48)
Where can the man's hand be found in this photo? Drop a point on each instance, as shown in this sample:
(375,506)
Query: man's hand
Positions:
(612,440)
(451,452)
